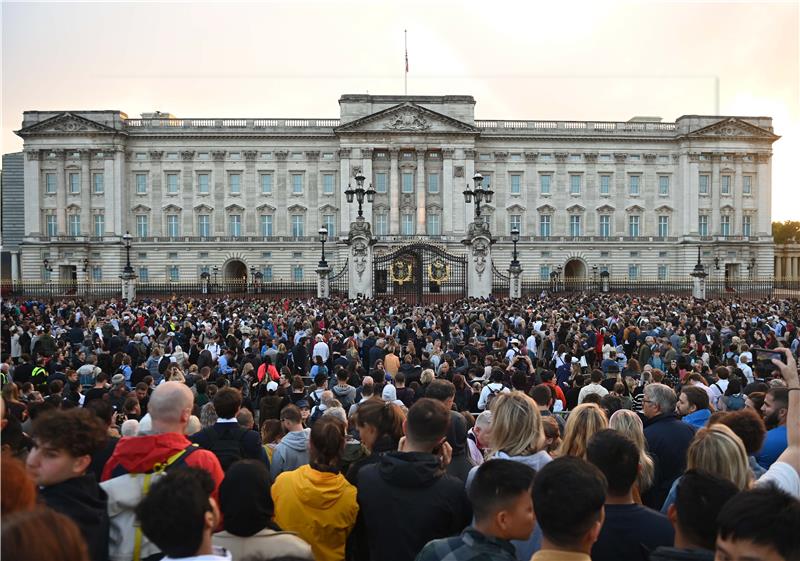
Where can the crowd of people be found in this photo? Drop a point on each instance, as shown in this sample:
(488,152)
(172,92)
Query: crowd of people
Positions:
(583,426)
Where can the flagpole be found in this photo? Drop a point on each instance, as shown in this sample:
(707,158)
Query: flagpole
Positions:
(405,78)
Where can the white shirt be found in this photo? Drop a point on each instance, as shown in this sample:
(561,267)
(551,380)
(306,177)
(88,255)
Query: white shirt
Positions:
(488,389)
(718,390)
(591,388)
(747,371)
(530,342)
(321,349)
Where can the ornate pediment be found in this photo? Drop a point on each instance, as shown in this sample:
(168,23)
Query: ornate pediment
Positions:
(733,128)
(297,208)
(605,208)
(233,207)
(172,208)
(265,208)
(327,209)
(664,209)
(515,208)
(576,208)
(141,209)
(66,124)
(203,208)
(545,209)
(407,118)
(635,209)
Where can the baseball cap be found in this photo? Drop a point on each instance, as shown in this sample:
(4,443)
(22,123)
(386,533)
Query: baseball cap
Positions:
(272,386)
(303,404)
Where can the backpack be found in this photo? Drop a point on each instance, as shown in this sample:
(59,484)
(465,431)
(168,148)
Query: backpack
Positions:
(226,447)
(125,491)
(734,402)
(492,394)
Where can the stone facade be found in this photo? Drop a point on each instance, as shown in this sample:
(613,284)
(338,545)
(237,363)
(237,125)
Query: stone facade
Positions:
(633,198)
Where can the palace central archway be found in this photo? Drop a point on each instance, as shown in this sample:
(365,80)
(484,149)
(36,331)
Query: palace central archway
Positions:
(575,269)
(235,270)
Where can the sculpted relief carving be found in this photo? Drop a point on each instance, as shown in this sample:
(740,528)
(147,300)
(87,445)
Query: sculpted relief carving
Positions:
(407,121)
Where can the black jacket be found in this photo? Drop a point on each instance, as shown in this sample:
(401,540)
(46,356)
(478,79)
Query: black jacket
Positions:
(84,501)
(668,440)
(249,440)
(405,501)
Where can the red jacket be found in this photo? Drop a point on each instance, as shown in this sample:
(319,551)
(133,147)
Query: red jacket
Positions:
(558,393)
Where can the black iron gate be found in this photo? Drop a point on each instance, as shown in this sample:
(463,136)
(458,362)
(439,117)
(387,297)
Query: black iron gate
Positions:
(501,283)
(420,272)
(339,282)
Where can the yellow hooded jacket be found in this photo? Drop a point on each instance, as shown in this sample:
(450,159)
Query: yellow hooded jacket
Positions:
(320,507)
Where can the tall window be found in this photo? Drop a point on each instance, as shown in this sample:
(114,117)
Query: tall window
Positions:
(173,230)
(725,185)
(52,225)
(50,183)
(408,224)
(633,271)
(74,224)
(380,182)
(663,226)
(574,184)
(605,184)
(142,225)
(203,182)
(544,272)
(172,183)
(266,183)
(516,183)
(298,225)
(408,182)
(747,185)
(544,225)
(266,225)
(329,221)
(746,222)
(381,224)
(235,183)
(433,183)
(703,183)
(74,183)
(297,273)
(97,183)
(433,225)
(633,226)
(544,183)
(174,273)
(141,183)
(297,183)
(702,224)
(266,272)
(575,225)
(99,225)
(203,225)
(663,272)
(663,185)
(144,274)
(235,225)
(605,225)
(97,273)
(515,222)
(327,183)
(725,225)
(634,184)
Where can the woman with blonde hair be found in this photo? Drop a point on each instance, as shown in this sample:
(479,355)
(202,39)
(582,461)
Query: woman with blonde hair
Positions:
(718,451)
(582,424)
(630,424)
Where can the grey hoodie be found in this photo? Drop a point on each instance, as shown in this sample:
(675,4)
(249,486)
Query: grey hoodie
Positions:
(290,454)
(345,394)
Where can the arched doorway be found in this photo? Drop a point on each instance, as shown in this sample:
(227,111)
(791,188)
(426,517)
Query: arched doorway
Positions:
(235,270)
(575,269)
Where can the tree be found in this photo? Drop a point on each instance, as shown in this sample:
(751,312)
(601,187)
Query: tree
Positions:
(786,231)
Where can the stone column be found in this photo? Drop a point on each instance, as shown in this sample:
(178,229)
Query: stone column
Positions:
(479,260)
(219,191)
(448,193)
(619,227)
(250,191)
(467,211)
(715,192)
(360,241)
(313,192)
(344,181)
(281,190)
(394,192)
(189,224)
(366,169)
(500,186)
(61,192)
(515,281)
(118,186)
(15,265)
(33,192)
(764,186)
(128,286)
(156,194)
(604,281)
(86,196)
(420,193)
(738,197)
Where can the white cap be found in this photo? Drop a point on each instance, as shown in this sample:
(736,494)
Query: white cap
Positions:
(272,386)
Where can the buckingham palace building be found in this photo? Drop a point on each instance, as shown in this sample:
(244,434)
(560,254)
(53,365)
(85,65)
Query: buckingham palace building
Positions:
(634,198)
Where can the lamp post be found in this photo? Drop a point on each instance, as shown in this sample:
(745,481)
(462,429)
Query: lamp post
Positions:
(126,239)
(85,264)
(478,193)
(323,237)
(48,269)
(257,278)
(215,270)
(594,275)
(360,193)
(514,240)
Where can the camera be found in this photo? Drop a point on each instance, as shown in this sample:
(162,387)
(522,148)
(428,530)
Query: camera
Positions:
(762,360)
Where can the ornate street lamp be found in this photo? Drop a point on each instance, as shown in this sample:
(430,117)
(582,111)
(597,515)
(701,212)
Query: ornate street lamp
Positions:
(85,264)
(515,240)
(126,239)
(215,270)
(323,237)
(478,193)
(360,193)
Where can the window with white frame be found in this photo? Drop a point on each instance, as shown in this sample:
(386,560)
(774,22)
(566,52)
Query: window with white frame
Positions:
(746,224)
(142,225)
(487,180)
(328,183)
(605,225)
(633,225)
(173,226)
(97,273)
(663,226)
(433,225)
(408,182)
(747,185)
(516,184)
(144,274)
(633,183)
(203,183)
(725,185)
(575,225)
(703,183)
(702,224)
(99,224)
(203,225)
(544,183)
(515,222)
(544,225)
(381,224)
(605,183)
(298,225)
(663,272)
(235,225)
(329,221)
(663,185)
(74,183)
(266,273)
(433,183)
(52,225)
(266,225)
(266,183)
(172,183)
(50,183)
(408,224)
(235,183)
(725,225)
(141,183)
(574,184)
(74,224)
(544,272)
(633,271)
(380,182)
(297,273)
(98,186)
(297,183)
(174,273)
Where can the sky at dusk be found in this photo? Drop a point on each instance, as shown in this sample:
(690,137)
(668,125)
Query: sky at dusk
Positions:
(520,60)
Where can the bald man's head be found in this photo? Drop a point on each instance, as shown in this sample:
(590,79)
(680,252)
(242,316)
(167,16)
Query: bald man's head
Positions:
(171,403)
